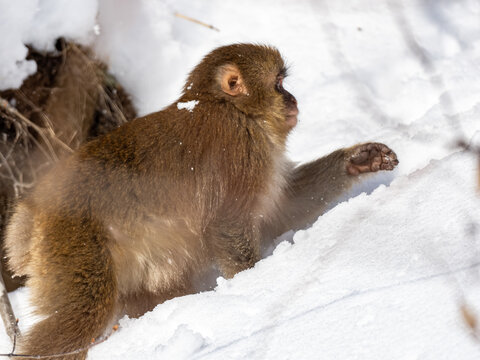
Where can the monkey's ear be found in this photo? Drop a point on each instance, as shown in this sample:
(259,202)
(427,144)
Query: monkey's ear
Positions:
(231,81)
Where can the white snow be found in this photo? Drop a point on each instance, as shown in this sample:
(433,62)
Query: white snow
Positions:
(187,105)
(383,274)
(39,23)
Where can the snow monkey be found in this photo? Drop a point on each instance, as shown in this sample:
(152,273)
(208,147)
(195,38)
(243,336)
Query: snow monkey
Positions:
(133,217)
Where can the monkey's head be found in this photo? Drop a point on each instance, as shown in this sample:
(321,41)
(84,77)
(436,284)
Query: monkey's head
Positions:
(250,77)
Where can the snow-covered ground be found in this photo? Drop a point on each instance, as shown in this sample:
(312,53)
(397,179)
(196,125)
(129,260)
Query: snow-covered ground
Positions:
(383,274)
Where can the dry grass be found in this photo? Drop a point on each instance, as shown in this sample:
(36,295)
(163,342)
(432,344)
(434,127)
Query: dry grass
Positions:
(69,100)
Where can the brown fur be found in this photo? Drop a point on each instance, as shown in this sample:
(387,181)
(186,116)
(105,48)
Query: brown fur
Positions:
(134,216)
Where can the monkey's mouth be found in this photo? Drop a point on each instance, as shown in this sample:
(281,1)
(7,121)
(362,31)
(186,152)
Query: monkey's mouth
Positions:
(291,117)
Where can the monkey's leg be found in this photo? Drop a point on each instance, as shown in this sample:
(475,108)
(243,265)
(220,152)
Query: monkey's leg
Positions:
(73,287)
(18,238)
(235,246)
(313,186)
(136,304)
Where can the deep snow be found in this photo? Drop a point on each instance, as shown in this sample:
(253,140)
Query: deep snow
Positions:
(381,275)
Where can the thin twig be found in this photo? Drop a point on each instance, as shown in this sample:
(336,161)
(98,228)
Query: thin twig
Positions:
(17,183)
(17,332)
(109,103)
(48,128)
(4,105)
(196,21)
(6,312)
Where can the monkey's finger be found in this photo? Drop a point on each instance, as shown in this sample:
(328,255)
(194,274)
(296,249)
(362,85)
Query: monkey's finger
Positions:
(394,162)
(376,163)
(379,147)
(390,160)
(390,156)
(387,166)
(385,150)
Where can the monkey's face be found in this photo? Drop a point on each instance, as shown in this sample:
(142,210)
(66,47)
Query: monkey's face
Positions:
(291,109)
(255,87)
(259,92)
(250,77)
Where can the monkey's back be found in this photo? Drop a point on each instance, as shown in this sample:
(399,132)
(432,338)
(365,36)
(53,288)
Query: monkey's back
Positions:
(119,184)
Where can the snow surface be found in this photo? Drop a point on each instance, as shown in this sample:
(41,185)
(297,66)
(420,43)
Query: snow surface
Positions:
(383,274)
(39,23)
(188,105)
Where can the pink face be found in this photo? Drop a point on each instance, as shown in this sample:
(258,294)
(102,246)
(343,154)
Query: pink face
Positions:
(290,103)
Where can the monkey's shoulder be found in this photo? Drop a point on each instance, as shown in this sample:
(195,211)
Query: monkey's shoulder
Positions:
(131,145)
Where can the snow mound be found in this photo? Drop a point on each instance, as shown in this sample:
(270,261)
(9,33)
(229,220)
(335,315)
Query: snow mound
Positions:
(39,23)
(383,274)
(360,275)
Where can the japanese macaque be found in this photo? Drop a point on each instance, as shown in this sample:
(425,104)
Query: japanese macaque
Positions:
(133,217)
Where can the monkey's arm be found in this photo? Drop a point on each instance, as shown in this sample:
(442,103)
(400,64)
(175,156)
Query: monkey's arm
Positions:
(312,187)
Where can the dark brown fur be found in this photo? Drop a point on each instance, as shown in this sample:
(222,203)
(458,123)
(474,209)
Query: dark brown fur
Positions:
(133,217)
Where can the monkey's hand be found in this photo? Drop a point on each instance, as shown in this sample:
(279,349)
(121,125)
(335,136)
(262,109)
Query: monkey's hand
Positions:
(370,157)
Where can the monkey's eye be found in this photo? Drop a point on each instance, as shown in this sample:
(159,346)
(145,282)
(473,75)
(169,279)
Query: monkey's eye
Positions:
(279,83)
